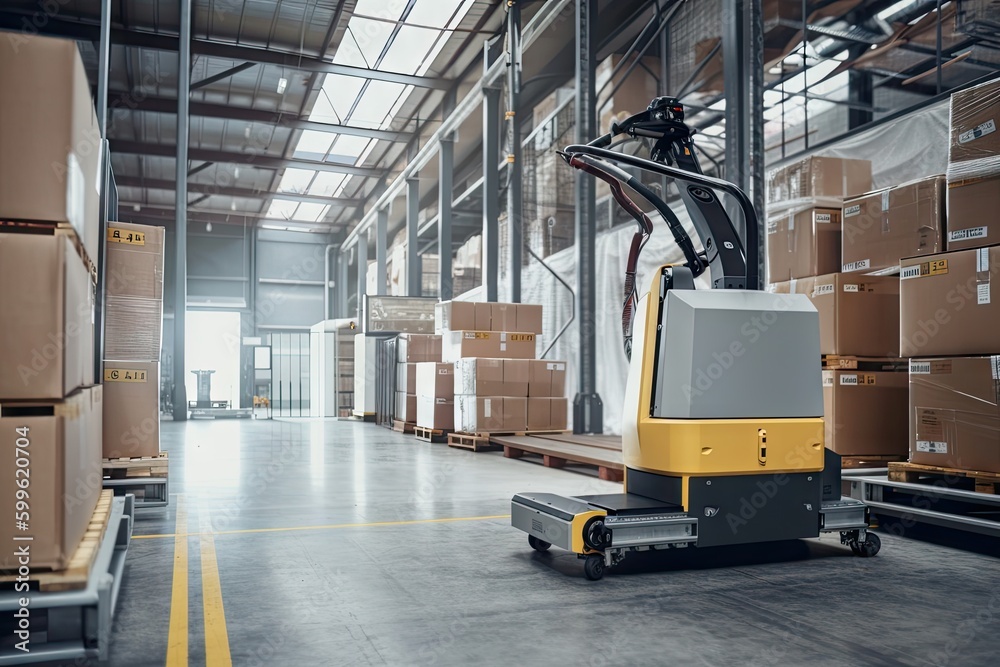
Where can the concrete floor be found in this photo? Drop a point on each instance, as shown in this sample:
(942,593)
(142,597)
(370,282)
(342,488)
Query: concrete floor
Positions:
(386,577)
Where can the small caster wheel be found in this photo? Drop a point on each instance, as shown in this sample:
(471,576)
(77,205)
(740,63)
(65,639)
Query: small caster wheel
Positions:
(869,547)
(593,567)
(537,544)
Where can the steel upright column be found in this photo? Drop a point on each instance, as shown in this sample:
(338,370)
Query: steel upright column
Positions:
(341,286)
(588,410)
(743,71)
(515,194)
(180,233)
(362,275)
(491,192)
(446,175)
(414,273)
(381,232)
(103,65)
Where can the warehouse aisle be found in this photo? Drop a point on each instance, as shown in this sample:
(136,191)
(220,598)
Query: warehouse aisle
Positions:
(341,543)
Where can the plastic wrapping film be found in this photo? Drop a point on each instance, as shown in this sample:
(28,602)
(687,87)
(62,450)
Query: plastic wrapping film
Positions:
(975,142)
(816,176)
(133,328)
(955,412)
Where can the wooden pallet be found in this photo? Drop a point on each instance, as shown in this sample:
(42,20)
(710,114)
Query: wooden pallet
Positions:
(878,461)
(837,362)
(431,434)
(558,451)
(146,466)
(915,473)
(75,575)
(483,441)
(52,229)
(402,427)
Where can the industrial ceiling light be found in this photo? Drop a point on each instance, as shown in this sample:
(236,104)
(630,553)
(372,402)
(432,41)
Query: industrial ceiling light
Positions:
(282,84)
(232,206)
(208,226)
(236,172)
(136,208)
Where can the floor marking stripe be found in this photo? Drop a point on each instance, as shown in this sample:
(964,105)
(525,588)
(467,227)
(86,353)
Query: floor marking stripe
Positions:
(216,636)
(177,639)
(332,526)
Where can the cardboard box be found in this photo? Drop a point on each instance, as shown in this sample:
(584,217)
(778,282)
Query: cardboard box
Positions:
(547,414)
(947,306)
(865,413)
(974,148)
(484,316)
(546,378)
(881,227)
(63,451)
(436,413)
(972,213)
(819,177)
(479,376)
(454,316)
(46,318)
(131,409)
(406,378)
(803,243)
(457,345)
(134,261)
(529,318)
(490,414)
(50,144)
(515,377)
(417,348)
(435,380)
(858,315)
(406,407)
(955,412)
(503,317)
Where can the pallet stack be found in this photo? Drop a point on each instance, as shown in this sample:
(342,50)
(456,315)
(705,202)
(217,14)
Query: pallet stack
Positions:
(499,385)
(950,317)
(50,408)
(811,233)
(133,333)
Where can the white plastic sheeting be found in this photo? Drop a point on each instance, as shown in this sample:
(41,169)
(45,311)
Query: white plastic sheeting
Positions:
(912,147)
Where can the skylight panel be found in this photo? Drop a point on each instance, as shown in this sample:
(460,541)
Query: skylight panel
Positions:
(311,212)
(336,98)
(383,9)
(375,103)
(396,107)
(296,181)
(313,145)
(367,35)
(409,49)
(281,209)
(433,13)
(350,146)
(326,184)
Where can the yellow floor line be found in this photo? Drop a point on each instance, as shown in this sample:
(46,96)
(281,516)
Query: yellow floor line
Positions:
(177,640)
(332,526)
(216,635)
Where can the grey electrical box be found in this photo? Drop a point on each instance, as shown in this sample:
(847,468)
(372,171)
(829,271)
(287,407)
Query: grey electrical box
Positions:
(734,354)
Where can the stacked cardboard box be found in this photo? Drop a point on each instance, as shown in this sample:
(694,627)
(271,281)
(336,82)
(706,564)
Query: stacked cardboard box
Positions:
(50,412)
(133,330)
(436,395)
(974,167)
(949,314)
(412,350)
(498,383)
(864,410)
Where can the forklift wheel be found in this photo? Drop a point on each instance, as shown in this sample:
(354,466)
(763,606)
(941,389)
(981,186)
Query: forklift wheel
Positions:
(870,547)
(593,567)
(537,544)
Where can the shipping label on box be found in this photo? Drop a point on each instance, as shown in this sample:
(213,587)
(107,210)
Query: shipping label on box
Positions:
(435,380)
(501,345)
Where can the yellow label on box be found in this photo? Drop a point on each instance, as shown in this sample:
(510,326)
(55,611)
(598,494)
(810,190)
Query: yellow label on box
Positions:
(125,236)
(124,375)
(522,337)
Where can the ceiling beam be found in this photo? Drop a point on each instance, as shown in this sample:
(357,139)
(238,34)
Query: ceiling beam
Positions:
(244,193)
(17,21)
(168,212)
(124,100)
(225,74)
(253,159)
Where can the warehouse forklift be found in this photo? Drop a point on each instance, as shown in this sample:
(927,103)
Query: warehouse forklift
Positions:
(723,439)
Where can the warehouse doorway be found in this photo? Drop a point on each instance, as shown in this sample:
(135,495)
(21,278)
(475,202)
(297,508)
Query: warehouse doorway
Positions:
(212,343)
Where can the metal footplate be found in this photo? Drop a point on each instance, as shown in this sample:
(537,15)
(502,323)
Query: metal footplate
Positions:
(651,531)
(844,514)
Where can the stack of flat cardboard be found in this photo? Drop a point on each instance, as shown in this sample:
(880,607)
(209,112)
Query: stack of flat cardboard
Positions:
(133,330)
(50,410)
(949,315)
(498,383)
